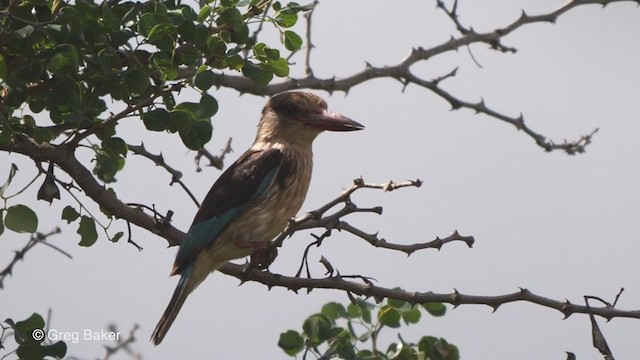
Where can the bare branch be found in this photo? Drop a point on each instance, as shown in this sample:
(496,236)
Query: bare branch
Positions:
(176,175)
(315,219)
(35,239)
(401,71)
(308,71)
(456,298)
(122,344)
(63,157)
(215,161)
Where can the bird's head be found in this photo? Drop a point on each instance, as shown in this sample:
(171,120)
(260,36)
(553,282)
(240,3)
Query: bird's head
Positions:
(299,117)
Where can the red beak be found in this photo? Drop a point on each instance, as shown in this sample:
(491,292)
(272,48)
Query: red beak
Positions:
(327,120)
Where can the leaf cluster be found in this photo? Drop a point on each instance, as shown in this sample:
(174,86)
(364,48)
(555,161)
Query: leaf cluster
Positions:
(353,332)
(69,60)
(71,71)
(31,338)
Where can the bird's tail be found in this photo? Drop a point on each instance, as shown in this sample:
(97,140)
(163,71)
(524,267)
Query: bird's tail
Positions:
(179,296)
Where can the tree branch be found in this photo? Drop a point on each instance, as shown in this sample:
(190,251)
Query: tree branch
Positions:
(456,298)
(62,155)
(401,72)
(176,175)
(215,161)
(35,239)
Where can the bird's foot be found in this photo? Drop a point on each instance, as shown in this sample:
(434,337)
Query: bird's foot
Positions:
(262,258)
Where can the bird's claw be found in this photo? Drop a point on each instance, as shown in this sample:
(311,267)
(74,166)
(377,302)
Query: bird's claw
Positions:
(262,258)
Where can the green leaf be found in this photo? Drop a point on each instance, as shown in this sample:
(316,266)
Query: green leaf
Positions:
(156,120)
(435,308)
(291,40)
(216,45)
(388,316)
(411,316)
(286,19)
(399,304)
(115,145)
(204,80)
(198,135)
(291,342)
(258,74)
(160,31)
(180,121)
(70,214)
(107,165)
(204,13)
(21,219)
(12,172)
(438,349)
(149,20)
(57,350)
(317,328)
(64,96)
(110,19)
(87,231)
(361,310)
(65,62)
(23,329)
(334,310)
(137,81)
(279,67)
(207,108)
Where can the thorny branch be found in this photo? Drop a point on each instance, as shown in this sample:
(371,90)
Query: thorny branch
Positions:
(402,72)
(35,239)
(122,345)
(317,219)
(215,161)
(368,289)
(176,176)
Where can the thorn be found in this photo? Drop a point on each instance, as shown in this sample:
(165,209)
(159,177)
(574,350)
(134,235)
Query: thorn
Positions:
(495,307)
(455,298)
(523,16)
(524,291)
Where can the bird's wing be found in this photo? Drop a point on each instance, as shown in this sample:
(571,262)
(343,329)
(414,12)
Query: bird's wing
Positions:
(244,181)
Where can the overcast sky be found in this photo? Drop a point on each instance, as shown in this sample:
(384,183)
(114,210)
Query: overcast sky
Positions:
(562,226)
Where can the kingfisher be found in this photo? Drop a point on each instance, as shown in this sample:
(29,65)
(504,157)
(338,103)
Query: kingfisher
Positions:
(253,200)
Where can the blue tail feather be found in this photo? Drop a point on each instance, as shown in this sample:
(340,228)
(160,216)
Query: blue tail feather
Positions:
(179,296)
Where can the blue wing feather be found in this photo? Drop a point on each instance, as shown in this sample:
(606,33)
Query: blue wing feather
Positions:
(236,189)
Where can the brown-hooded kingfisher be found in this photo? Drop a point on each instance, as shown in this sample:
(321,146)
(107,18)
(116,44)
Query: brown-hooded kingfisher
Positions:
(251,202)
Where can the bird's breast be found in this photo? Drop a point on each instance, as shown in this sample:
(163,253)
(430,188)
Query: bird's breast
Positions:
(269,215)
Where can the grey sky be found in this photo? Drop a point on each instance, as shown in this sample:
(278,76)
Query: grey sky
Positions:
(562,226)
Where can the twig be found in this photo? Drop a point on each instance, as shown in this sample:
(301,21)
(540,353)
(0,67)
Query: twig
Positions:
(35,239)
(308,71)
(121,344)
(315,219)
(176,176)
(108,200)
(215,161)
